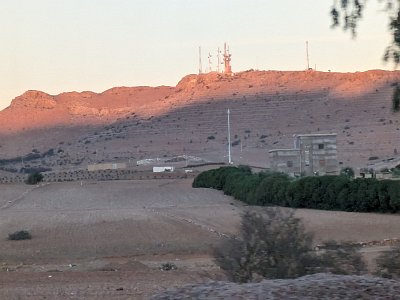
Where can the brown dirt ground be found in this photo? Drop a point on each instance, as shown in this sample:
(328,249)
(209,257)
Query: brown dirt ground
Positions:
(108,240)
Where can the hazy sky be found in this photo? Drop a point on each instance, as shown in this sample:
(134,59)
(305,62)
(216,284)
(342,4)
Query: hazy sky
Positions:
(76,45)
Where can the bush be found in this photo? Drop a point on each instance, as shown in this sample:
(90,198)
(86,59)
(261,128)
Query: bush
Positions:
(348,172)
(34,178)
(274,244)
(168,266)
(19,235)
(343,258)
(388,263)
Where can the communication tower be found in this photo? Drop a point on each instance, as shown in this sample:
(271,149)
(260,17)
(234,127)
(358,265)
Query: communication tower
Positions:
(227,60)
(200,65)
(209,62)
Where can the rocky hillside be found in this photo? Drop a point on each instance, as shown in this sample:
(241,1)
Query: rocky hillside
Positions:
(267,108)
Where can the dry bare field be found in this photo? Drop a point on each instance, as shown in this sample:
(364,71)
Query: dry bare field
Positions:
(103,240)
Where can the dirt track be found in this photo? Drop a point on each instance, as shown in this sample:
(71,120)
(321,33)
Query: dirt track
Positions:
(90,240)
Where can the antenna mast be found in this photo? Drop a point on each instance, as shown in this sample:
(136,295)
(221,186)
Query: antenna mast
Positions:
(200,65)
(308,60)
(209,62)
(219,62)
(227,60)
(229,139)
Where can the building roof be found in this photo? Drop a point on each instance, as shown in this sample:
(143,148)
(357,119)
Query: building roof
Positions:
(292,149)
(314,134)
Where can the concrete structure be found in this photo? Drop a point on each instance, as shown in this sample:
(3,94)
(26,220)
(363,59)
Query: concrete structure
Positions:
(106,166)
(162,169)
(313,154)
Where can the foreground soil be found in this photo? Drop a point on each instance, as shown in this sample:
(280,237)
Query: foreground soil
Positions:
(109,240)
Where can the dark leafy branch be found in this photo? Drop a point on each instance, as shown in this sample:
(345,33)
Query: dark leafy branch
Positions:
(347,14)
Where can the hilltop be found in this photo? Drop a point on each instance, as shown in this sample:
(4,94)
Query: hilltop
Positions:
(267,108)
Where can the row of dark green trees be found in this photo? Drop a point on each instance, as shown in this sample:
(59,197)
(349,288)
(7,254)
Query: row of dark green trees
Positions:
(320,192)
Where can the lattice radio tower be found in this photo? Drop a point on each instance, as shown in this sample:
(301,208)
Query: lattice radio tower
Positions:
(227,60)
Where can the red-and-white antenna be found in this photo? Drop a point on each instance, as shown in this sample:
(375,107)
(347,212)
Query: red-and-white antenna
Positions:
(227,60)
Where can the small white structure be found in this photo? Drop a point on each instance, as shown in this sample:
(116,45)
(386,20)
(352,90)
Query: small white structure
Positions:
(162,169)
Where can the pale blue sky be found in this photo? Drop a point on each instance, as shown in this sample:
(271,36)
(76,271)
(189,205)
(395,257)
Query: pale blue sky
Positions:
(75,45)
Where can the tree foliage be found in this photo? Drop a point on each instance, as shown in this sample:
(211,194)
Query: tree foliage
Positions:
(347,13)
(34,178)
(348,172)
(274,244)
(319,192)
(388,263)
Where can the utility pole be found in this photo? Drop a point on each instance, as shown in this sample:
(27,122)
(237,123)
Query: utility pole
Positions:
(229,139)
(200,65)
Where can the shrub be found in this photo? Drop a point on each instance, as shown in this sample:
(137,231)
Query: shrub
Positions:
(34,178)
(272,245)
(343,258)
(235,143)
(19,235)
(348,172)
(168,266)
(388,263)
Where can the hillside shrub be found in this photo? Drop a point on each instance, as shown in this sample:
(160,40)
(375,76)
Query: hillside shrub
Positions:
(347,171)
(274,244)
(317,192)
(388,263)
(34,178)
(341,258)
(19,235)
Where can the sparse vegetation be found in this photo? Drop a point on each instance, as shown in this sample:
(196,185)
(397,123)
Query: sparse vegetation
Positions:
(373,158)
(235,143)
(34,178)
(388,263)
(348,172)
(19,235)
(168,266)
(274,244)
